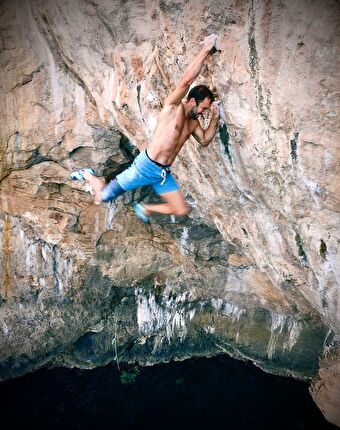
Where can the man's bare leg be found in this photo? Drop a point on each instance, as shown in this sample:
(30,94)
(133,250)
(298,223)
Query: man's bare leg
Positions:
(96,183)
(175,205)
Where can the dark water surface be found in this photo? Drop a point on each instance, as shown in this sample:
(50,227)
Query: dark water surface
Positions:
(202,393)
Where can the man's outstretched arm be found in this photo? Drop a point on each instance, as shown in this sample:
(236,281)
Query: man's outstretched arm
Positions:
(191,73)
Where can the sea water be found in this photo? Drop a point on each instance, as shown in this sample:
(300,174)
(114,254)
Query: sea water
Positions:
(199,393)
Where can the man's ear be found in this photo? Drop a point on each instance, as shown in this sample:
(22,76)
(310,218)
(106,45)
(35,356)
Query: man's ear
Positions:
(192,102)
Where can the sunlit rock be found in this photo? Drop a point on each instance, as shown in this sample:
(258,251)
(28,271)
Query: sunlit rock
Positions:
(253,270)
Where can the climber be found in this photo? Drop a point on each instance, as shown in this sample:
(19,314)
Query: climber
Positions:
(176,122)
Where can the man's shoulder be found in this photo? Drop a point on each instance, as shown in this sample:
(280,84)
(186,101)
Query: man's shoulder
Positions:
(171,108)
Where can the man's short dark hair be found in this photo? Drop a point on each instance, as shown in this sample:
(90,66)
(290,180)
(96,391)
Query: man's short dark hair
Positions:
(199,93)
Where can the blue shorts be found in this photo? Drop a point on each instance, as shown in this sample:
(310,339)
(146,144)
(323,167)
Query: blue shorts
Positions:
(141,173)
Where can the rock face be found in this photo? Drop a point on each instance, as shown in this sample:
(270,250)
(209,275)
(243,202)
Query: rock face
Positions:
(325,389)
(253,270)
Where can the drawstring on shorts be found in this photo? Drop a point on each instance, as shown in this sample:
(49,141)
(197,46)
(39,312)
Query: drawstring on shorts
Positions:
(163,175)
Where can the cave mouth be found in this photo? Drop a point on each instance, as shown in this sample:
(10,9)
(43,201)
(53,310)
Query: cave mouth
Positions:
(194,392)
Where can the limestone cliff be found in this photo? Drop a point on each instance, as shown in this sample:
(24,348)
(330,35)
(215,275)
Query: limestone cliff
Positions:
(253,270)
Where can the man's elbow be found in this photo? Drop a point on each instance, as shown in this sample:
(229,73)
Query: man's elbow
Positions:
(205,142)
(187,80)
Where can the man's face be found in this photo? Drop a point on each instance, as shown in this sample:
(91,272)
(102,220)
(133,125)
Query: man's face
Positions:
(200,109)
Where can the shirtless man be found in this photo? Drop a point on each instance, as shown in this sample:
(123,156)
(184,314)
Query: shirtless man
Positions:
(176,122)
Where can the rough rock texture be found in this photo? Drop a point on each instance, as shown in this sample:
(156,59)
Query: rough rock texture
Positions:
(254,270)
(326,389)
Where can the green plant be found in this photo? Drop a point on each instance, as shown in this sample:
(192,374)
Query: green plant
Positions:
(129,376)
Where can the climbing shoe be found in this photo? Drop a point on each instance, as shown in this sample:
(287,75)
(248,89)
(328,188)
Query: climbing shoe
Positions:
(77,175)
(139,211)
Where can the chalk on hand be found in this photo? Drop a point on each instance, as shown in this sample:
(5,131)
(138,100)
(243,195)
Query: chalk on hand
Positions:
(221,110)
(216,47)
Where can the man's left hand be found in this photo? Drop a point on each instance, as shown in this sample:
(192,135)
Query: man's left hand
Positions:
(215,110)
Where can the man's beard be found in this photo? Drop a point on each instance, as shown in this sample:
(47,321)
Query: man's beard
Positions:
(193,114)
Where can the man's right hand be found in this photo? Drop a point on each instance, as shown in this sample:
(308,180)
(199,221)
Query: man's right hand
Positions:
(209,42)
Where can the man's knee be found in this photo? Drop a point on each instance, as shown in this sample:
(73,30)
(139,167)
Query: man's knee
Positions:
(182,210)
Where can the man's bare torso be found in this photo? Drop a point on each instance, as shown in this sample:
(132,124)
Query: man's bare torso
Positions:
(172,131)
